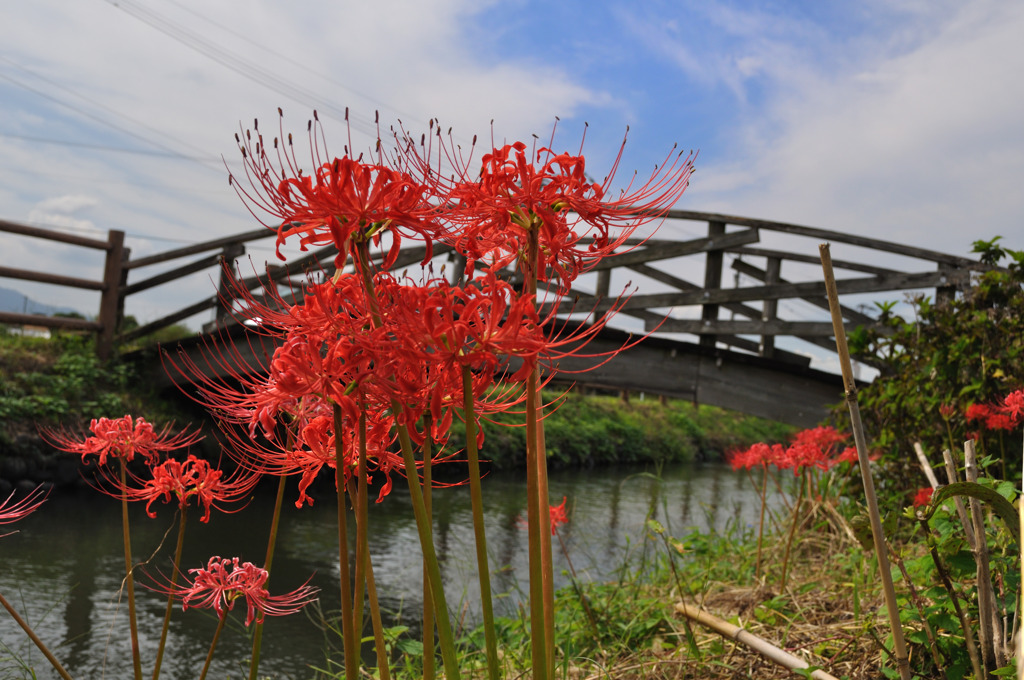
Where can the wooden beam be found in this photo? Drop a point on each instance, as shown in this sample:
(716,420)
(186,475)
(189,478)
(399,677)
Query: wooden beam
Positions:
(790,290)
(653,253)
(51,235)
(824,235)
(751,327)
(49,321)
(215,244)
(55,279)
(808,259)
(763,276)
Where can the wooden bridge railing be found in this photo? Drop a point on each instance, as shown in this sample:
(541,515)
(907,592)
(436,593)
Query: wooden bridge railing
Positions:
(648,259)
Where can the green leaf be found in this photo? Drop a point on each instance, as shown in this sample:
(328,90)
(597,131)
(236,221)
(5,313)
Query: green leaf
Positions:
(1000,505)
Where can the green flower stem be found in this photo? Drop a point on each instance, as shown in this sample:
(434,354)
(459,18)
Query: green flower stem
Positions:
(423,521)
(534,508)
(423,526)
(349,632)
(35,638)
(476,497)
(546,532)
(429,672)
(363,563)
(257,633)
(213,645)
(538,515)
(792,529)
(170,598)
(129,580)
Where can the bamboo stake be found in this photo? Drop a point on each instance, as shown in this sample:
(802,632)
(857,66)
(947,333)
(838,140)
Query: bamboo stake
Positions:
(899,644)
(988,618)
(1020,633)
(961,511)
(759,645)
(925,465)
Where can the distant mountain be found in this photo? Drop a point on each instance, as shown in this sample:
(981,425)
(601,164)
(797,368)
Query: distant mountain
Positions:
(18,303)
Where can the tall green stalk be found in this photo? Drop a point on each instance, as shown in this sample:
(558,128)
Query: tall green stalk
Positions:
(792,528)
(476,497)
(349,633)
(182,517)
(425,530)
(428,599)
(361,252)
(129,579)
(364,568)
(257,634)
(213,645)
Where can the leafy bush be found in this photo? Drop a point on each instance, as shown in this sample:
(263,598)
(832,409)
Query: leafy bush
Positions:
(951,356)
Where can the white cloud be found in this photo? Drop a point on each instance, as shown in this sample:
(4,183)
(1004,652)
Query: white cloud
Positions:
(924,146)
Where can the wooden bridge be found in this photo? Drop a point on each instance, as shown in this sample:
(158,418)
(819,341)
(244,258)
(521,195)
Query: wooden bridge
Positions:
(751,352)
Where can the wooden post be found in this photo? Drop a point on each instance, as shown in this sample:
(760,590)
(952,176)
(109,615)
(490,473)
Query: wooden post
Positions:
(110,300)
(945,294)
(228,281)
(712,281)
(604,284)
(770,308)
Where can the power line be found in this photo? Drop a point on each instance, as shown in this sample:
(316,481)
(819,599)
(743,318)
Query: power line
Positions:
(103,121)
(100,147)
(238,64)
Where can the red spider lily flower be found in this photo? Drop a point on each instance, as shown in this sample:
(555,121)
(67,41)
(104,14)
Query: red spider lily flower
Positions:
(996,416)
(225,580)
(13,510)
(558,516)
(760,454)
(194,478)
(850,455)
(310,447)
(947,411)
(977,412)
(1013,406)
(814,448)
(517,192)
(923,497)
(122,438)
(344,201)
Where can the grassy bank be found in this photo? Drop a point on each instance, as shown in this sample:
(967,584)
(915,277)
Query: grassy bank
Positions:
(60,381)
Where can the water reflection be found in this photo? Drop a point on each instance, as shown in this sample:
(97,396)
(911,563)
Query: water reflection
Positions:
(63,570)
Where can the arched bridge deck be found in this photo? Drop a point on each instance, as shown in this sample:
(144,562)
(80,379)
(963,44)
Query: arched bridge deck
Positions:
(735,306)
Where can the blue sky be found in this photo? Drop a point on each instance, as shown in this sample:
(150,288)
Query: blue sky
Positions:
(898,119)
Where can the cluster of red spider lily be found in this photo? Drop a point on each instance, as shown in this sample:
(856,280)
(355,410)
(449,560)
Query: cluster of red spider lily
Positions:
(815,448)
(1007,414)
(226,580)
(366,340)
(368,360)
(165,478)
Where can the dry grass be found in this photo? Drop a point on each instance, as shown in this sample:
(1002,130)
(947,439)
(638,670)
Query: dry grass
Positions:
(815,619)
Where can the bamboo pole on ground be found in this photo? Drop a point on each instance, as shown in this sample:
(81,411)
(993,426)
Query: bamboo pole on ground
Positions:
(899,644)
(759,645)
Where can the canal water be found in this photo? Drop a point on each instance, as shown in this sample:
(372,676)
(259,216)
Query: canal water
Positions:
(64,567)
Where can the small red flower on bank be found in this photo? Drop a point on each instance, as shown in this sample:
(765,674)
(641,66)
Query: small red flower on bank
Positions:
(13,510)
(122,438)
(225,580)
(923,497)
(558,516)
